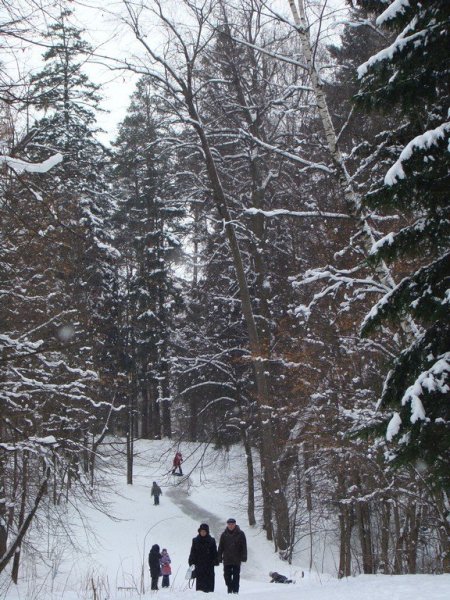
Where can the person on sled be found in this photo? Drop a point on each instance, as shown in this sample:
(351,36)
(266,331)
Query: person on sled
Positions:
(277,578)
(178,459)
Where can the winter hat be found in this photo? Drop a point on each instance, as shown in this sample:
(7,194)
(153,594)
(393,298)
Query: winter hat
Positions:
(231,520)
(205,527)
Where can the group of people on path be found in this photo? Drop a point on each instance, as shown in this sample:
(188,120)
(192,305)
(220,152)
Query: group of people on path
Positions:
(156,490)
(205,555)
(159,564)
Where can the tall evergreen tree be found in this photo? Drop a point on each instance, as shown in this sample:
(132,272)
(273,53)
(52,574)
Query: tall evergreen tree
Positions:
(149,235)
(80,208)
(412,74)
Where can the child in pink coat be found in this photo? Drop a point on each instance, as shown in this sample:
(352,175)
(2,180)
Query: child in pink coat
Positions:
(166,571)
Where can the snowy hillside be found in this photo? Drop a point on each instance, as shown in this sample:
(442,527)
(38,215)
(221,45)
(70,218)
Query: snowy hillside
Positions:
(108,557)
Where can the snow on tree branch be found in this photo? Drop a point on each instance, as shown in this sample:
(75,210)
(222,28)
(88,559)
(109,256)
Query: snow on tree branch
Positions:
(21,166)
(420,142)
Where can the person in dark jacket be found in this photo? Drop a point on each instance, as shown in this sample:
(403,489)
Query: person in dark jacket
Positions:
(154,563)
(204,556)
(232,552)
(156,493)
(277,578)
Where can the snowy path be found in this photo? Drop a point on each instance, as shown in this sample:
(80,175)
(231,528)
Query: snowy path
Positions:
(194,511)
(112,553)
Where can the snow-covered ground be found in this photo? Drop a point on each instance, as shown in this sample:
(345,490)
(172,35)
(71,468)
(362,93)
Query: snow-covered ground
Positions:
(107,559)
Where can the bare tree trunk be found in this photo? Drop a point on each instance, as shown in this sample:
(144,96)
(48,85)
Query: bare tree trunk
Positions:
(258,353)
(362,514)
(346,526)
(4,560)
(384,566)
(307,451)
(413,537)
(400,533)
(23,501)
(250,478)
(346,523)
(130,437)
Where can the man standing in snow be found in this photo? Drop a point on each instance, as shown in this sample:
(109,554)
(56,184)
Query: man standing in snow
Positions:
(232,552)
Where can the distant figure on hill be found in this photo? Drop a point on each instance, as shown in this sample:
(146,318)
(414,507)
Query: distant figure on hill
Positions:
(277,578)
(204,556)
(232,552)
(166,571)
(156,493)
(153,562)
(178,459)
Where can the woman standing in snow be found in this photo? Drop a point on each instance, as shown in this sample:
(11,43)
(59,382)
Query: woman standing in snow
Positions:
(166,571)
(153,562)
(204,556)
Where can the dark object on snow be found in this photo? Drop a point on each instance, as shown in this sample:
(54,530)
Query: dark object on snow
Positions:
(178,459)
(156,492)
(153,562)
(232,552)
(204,556)
(277,578)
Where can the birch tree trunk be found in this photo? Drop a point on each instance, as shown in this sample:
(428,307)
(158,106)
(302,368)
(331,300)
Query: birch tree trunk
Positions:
(352,199)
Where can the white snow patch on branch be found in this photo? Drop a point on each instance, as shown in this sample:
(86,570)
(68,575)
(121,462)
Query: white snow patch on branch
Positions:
(388,53)
(432,380)
(397,7)
(393,426)
(386,240)
(421,142)
(21,166)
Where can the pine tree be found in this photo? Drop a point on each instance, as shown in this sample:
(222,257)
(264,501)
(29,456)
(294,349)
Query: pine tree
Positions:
(150,239)
(80,210)
(412,74)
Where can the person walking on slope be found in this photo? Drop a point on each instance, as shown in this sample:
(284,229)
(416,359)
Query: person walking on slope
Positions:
(156,493)
(153,562)
(178,459)
(232,552)
(166,571)
(204,556)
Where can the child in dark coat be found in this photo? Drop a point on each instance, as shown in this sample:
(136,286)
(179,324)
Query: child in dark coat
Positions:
(156,493)
(154,558)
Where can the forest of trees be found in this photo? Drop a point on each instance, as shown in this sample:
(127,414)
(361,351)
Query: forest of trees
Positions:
(260,256)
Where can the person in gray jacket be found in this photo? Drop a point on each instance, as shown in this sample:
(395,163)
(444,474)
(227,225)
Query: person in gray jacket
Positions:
(232,551)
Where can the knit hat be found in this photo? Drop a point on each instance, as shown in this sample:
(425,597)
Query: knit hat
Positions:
(205,527)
